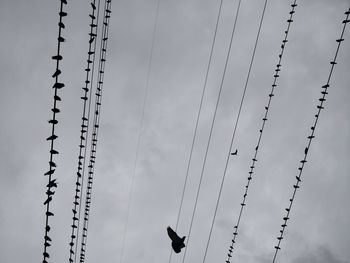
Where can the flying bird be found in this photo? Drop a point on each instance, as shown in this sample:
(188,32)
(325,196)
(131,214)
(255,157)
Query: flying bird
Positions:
(176,242)
(234,153)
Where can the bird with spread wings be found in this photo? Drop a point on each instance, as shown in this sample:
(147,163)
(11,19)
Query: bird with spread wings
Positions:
(177,243)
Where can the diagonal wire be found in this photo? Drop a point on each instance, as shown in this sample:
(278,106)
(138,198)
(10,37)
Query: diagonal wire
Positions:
(52,184)
(210,133)
(198,116)
(89,111)
(310,137)
(139,139)
(254,159)
(235,128)
(84,131)
(95,128)
(197,121)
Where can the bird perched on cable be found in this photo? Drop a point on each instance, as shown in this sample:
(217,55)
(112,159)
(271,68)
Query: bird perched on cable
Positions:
(176,242)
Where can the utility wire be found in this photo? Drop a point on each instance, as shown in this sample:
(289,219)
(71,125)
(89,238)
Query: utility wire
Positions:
(85,150)
(52,184)
(197,122)
(139,139)
(198,116)
(310,137)
(84,131)
(254,159)
(235,128)
(97,113)
(88,121)
(210,134)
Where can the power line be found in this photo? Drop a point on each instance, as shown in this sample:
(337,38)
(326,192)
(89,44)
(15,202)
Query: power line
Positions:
(197,121)
(310,137)
(52,165)
(95,128)
(254,159)
(84,130)
(139,138)
(198,116)
(210,133)
(235,128)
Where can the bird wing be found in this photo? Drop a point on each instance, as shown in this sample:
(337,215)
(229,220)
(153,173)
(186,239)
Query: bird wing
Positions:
(171,233)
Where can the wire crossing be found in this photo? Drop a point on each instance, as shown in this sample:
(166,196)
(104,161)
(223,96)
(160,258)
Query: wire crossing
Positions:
(52,184)
(235,127)
(320,107)
(197,121)
(84,130)
(254,159)
(211,130)
(95,128)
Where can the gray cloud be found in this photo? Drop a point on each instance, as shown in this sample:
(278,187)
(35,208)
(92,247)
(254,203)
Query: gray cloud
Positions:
(318,230)
(319,255)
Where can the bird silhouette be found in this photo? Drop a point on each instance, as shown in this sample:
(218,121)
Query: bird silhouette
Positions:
(234,153)
(177,243)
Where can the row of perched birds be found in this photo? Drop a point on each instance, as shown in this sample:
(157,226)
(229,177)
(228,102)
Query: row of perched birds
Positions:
(254,159)
(97,111)
(177,242)
(310,137)
(52,184)
(84,130)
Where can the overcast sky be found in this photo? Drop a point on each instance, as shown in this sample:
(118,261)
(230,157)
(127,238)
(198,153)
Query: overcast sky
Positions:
(318,230)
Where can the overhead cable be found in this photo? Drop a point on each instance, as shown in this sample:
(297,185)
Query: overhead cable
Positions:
(52,182)
(197,122)
(95,128)
(235,127)
(211,132)
(84,132)
(320,107)
(254,159)
(139,138)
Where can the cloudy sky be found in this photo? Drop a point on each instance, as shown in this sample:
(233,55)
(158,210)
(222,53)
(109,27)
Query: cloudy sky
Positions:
(318,230)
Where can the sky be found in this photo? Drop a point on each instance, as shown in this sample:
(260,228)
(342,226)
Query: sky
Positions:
(318,229)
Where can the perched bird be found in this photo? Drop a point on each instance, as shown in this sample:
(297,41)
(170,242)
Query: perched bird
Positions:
(176,242)
(235,153)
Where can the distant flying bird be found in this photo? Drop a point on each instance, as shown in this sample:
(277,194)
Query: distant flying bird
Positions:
(235,153)
(177,242)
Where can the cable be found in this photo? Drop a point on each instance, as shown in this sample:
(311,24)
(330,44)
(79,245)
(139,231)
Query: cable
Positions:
(85,151)
(254,159)
(198,116)
(131,189)
(84,129)
(197,121)
(310,137)
(210,134)
(235,128)
(52,165)
(97,113)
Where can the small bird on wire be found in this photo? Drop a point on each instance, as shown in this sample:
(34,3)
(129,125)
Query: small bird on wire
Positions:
(177,243)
